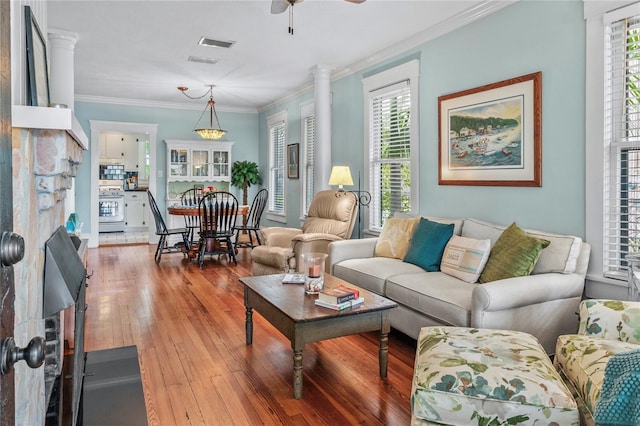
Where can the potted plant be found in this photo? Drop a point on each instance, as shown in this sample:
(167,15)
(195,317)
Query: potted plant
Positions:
(243,175)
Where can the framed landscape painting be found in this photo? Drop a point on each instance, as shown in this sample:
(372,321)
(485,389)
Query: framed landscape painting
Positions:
(491,135)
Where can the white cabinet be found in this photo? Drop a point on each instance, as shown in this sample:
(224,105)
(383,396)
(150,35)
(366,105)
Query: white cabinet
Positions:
(191,162)
(130,149)
(114,146)
(136,210)
(122,148)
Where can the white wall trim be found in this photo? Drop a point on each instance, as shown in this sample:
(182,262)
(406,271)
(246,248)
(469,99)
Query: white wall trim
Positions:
(199,106)
(594,12)
(98,127)
(449,25)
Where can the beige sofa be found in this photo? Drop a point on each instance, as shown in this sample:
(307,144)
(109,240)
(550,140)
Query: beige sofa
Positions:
(543,304)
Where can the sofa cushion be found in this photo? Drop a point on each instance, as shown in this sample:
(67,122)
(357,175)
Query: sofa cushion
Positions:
(560,256)
(372,272)
(457,223)
(427,244)
(465,258)
(435,294)
(610,319)
(582,360)
(466,376)
(514,255)
(395,237)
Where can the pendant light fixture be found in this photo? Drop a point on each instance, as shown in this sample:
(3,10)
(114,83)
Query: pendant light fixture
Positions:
(210,133)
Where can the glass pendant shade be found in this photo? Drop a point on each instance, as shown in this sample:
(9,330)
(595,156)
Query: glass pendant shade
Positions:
(210,133)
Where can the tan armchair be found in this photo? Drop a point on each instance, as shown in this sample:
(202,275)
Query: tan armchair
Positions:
(331,218)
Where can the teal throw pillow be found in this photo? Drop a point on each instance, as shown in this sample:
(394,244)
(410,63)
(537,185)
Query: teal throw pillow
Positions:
(427,244)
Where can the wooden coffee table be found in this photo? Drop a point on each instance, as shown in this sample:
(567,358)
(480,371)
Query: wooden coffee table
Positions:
(295,315)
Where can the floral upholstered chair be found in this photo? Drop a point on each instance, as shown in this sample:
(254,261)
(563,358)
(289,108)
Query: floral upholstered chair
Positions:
(608,330)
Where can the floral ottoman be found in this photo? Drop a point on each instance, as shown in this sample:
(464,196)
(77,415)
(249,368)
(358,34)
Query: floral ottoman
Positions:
(465,376)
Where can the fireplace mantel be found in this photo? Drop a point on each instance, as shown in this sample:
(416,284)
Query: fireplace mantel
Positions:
(29,117)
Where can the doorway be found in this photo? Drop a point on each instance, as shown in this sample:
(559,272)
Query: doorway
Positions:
(99,127)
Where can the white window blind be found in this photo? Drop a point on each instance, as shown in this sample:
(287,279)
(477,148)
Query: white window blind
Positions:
(309,138)
(622,144)
(389,152)
(276,167)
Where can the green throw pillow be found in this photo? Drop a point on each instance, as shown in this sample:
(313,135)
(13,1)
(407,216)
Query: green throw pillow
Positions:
(427,244)
(514,255)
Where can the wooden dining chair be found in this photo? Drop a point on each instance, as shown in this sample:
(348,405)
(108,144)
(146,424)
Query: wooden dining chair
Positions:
(252,224)
(218,211)
(190,198)
(163,232)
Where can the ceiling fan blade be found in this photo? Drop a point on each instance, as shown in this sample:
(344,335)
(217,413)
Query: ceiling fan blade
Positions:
(279,6)
(356,1)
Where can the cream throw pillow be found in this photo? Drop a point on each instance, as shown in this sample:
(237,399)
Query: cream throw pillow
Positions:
(395,237)
(464,258)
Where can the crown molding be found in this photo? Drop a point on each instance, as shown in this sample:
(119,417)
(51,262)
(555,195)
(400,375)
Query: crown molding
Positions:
(472,14)
(158,104)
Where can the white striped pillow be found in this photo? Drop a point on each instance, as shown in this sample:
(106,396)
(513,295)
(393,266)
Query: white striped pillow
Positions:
(464,258)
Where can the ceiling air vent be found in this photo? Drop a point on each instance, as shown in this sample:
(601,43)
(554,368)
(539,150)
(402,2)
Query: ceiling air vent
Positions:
(215,43)
(200,59)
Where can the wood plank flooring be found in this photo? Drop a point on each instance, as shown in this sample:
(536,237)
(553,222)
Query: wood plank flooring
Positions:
(188,326)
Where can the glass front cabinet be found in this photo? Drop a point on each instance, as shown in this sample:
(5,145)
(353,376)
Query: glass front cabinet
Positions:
(197,162)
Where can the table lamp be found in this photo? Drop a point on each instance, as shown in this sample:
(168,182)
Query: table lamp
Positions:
(340,175)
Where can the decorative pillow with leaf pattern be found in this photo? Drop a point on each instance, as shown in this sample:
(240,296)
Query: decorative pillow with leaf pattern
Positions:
(610,319)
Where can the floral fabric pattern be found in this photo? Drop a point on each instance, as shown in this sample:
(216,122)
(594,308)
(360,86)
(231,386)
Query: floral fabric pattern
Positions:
(607,327)
(610,319)
(487,377)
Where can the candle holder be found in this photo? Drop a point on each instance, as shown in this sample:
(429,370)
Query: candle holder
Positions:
(314,272)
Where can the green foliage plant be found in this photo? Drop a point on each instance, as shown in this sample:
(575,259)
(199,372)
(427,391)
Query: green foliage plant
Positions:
(243,175)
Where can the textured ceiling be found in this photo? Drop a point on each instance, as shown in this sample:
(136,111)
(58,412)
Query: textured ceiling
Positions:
(136,51)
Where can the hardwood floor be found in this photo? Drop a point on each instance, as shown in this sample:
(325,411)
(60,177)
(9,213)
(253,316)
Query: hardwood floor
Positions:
(188,326)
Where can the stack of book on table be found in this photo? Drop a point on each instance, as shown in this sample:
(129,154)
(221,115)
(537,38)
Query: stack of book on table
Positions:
(339,298)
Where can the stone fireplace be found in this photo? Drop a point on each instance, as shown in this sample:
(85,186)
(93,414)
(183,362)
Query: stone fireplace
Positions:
(44,163)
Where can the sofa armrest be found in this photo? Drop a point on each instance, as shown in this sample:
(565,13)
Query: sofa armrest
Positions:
(525,291)
(350,249)
(544,305)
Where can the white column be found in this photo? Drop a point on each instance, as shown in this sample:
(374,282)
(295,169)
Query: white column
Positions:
(62,45)
(322,111)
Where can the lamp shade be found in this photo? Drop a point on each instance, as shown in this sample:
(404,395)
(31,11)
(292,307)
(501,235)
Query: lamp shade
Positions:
(340,175)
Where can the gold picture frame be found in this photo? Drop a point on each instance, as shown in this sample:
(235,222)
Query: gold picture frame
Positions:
(491,135)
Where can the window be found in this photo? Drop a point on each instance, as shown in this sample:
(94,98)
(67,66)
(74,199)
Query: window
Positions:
(277,140)
(391,128)
(621,142)
(308,146)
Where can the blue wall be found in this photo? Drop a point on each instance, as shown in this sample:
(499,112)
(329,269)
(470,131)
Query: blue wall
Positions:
(526,37)
(172,124)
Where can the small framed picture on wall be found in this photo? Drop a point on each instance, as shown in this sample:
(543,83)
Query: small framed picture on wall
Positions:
(293,155)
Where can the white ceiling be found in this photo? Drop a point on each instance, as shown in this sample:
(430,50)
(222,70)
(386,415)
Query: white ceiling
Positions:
(136,51)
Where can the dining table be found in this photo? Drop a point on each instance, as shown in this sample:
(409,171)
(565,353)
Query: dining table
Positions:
(180,210)
(185,210)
